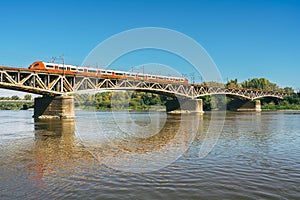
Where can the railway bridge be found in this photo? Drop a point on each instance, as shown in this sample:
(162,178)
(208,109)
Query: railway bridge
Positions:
(57,89)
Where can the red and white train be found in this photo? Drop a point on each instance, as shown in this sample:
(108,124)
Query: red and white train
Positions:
(104,73)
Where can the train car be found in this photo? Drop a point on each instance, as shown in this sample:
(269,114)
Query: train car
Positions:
(103,73)
(53,67)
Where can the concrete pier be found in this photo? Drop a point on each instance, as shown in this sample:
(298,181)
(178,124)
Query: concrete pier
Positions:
(54,107)
(184,106)
(252,106)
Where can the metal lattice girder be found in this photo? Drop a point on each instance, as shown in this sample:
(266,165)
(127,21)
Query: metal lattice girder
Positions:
(59,84)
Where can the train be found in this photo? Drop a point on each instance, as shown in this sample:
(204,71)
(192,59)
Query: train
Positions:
(103,73)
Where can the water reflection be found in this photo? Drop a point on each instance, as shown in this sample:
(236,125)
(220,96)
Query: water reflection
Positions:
(133,151)
(54,127)
(55,149)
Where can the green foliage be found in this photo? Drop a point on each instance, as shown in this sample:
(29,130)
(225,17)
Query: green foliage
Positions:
(27,97)
(233,84)
(288,90)
(213,84)
(206,102)
(291,102)
(15,97)
(268,106)
(15,105)
(293,99)
(282,105)
(121,100)
(260,84)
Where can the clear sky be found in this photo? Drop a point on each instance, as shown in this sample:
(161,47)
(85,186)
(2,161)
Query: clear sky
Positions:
(246,39)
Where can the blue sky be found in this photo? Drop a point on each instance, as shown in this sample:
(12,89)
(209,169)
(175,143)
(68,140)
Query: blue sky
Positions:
(246,39)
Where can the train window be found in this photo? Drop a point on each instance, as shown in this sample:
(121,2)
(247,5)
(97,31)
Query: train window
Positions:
(92,71)
(106,72)
(132,75)
(37,64)
(80,70)
(181,80)
(161,78)
(119,74)
(47,66)
(73,69)
(141,76)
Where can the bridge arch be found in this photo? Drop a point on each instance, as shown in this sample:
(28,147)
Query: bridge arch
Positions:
(241,96)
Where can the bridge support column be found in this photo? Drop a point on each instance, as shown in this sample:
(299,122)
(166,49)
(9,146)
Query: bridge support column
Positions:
(252,106)
(184,106)
(54,107)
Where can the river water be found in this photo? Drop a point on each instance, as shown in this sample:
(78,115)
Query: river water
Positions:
(103,155)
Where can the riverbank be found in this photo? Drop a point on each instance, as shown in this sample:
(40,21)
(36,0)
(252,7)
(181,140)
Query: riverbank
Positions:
(274,107)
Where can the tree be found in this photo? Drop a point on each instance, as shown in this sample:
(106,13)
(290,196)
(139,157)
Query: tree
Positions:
(288,89)
(27,97)
(213,84)
(15,97)
(232,84)
(260,84)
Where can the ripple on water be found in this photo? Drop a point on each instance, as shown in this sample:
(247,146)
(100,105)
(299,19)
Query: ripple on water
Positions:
(256,157)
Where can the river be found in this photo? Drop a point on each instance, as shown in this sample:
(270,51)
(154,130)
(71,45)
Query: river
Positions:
(104,155)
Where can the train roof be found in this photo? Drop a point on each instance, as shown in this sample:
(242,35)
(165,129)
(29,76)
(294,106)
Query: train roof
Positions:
(116,71)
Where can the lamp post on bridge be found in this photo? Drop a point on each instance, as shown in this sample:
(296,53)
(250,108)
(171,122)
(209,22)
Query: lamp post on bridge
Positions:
(63,62)
(192,75)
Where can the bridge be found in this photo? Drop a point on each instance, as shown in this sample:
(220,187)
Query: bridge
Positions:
(56,89)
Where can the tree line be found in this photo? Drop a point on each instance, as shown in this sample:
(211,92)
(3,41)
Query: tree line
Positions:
(259,84)
(104,101)
(16,105)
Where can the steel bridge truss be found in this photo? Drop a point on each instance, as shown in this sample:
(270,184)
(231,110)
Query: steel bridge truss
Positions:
(62,84)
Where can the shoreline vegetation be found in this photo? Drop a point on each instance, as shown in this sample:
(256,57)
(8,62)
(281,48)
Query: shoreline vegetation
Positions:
(143,101)
(15,103)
